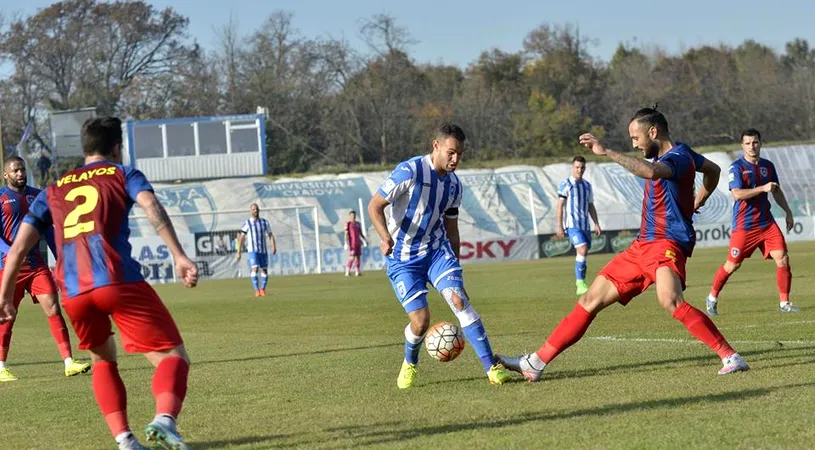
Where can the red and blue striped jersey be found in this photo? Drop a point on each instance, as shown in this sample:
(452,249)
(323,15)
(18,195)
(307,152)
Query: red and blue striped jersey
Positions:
(753,213)
(89,207)
(667,204)
(14,208)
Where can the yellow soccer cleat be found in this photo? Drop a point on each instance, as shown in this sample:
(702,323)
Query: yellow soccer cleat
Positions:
(582,287)
(75,368)
(6,375)
(406,376)
(498,374)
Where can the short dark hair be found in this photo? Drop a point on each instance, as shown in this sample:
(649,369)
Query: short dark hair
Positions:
(100,135)
(750,132)
(652,118)
(352,212)
(11,159)
(447,130)
(578,158)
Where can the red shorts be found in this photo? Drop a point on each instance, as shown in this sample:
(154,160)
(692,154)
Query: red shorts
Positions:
(744,243)
(36,282)
(143,321)
(355,251)
(633,270)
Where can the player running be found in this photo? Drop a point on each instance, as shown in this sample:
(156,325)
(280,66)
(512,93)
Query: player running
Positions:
(658,255)
(577,198)
(99,279)
(751,178)
(34,277)
(421,243)
(354,240)
(258,229)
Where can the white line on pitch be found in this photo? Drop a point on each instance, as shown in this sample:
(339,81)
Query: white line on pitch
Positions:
(772,324)
(692,341)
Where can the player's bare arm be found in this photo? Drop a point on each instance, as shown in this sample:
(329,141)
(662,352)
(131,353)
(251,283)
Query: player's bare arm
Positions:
(593,213)
(274,243)
(637,166)
(781,199)
(376,210)
(161,222)
(27,237)
(710,180)
(744,194)
(241,237)
(561,205)
(451,226)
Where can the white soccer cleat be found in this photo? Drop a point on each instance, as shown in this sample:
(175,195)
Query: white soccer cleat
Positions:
(732,364)
(788,307)
(521,365)
(711,305)
(131,443)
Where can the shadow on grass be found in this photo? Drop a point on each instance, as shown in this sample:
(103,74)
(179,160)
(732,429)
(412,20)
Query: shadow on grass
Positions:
(375,435)
(267,439)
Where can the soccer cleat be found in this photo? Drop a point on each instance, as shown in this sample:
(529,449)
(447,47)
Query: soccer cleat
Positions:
(6,375)
(582,287)
(75,368)
(131,443)
(498,374)
(257,293)
(733,363)
(711,306)
(521,365)
(788,307)
(262,292)
(407,375)
(164,437)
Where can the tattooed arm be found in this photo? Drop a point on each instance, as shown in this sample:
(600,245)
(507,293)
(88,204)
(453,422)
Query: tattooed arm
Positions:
(637,166)
(158,217)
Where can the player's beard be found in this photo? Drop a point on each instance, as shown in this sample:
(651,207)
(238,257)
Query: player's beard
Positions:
(17,184)
(651,149)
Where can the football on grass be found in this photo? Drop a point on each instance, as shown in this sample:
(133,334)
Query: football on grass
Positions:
(444,341)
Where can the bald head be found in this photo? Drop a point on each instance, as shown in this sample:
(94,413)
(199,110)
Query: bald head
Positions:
(14,173)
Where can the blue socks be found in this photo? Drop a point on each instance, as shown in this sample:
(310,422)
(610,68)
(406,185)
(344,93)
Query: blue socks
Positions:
(477,337)
(254,277)
(263,279)
(413,344)
(580,267)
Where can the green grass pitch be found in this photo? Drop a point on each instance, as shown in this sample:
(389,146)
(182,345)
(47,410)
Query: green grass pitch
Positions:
(314,366)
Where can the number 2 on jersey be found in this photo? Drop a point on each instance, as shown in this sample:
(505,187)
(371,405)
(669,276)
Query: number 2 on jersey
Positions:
(72,227)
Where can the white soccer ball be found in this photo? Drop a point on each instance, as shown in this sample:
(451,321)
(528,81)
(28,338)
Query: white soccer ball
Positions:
(444,341)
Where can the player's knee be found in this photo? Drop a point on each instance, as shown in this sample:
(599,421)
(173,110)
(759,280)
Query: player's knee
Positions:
(582,251)
(456,298)
(420,322)
(254,271)
(670,300)
(731,266)
(783,261)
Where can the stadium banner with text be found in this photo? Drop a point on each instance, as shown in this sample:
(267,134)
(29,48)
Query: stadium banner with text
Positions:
(718,235)
(613,241)
(215,254)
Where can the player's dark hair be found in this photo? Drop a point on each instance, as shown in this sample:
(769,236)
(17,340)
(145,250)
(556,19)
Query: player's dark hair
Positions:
(447,130)
(352,212)
(100,135)
(13,158)
(752,132)
(578,158)
(652,118)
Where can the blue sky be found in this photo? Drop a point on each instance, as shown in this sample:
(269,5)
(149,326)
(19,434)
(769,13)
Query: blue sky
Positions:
(455,31)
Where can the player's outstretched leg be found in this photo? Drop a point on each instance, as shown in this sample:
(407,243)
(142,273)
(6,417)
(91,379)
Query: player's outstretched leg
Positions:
(602,293)
(669,294)
(59,331)
(475,333)
(169,390)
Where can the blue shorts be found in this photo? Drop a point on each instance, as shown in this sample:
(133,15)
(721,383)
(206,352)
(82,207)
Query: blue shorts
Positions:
(260,260)
(409,279)
(579,237)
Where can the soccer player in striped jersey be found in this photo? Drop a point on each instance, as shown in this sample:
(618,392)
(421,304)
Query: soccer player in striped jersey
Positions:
(420,241)
(666,239)
(34,276)
(751,178)
(88,208)
(257,229)
(354,240)
(577,199)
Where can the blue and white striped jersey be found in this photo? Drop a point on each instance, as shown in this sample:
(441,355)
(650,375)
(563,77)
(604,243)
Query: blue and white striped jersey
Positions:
(419,199)
(578,195)
(256,231)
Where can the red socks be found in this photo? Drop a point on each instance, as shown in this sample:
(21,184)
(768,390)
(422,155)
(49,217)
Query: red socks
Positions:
(111,396)
(170,385)
(702,328)
(5,339)
(718,281)
(783,276)
(60,332)
(568,331)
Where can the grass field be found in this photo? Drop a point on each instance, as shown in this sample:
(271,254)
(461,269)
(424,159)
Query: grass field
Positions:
(314,366)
